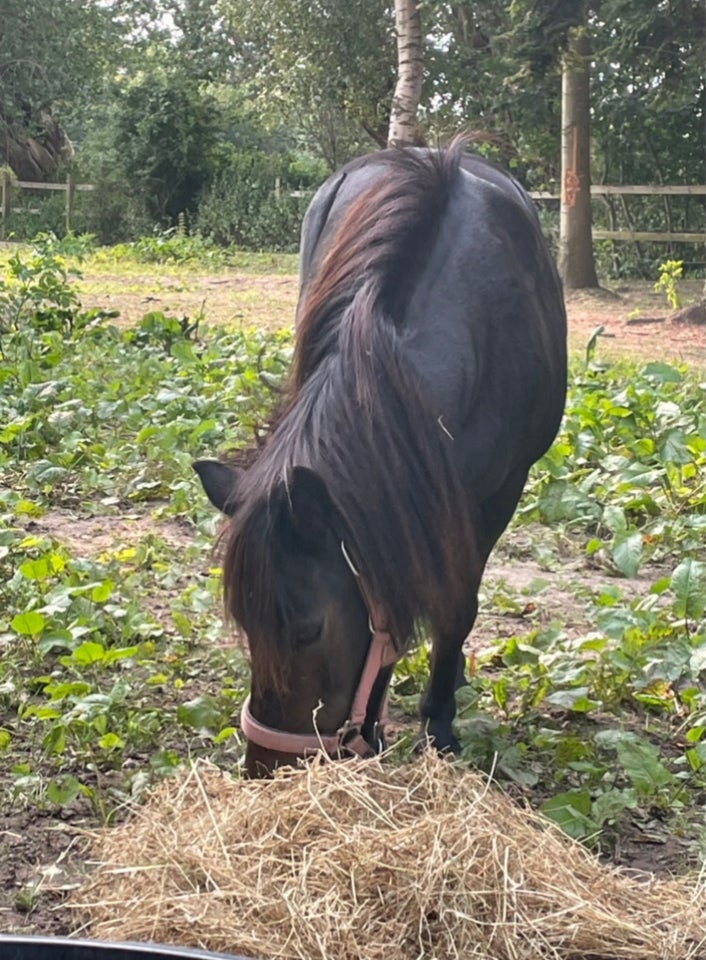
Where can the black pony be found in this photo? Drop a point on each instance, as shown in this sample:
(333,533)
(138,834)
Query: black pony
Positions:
(429,374)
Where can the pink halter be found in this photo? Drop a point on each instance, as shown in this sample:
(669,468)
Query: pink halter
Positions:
(348,739)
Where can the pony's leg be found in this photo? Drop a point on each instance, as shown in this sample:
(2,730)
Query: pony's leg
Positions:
(461,679)
(438,706)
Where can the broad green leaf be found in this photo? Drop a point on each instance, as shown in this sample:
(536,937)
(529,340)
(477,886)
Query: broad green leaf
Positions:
(35,569)
(516,653)
(111,741)
(27,508)
(59,691)
(101,592)
(674,448)
(612,738)
(663,372)
(55,740)
(225,734)
(31,623)
(627,552)
(688,584)
(564,501)
(572,812)
(121,653)
(575,699)
(614,519)
(608,806)
(164,762)
(642,765)
(89,652)
(63,790)
(697,661)
(182,623)
(203,713)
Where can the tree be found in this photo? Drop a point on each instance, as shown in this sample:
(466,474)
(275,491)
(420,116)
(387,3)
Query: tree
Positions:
(165,130)
(52,52)
(404,130)
(322,67)
(576,263)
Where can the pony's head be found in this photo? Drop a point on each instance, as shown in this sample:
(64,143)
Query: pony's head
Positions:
(292,588)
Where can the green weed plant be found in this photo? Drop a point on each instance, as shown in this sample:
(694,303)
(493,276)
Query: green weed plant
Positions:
(670,272)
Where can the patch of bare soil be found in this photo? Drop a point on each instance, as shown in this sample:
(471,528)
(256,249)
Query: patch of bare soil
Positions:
(41,855)
(89,536)
(637,322)
(231,298)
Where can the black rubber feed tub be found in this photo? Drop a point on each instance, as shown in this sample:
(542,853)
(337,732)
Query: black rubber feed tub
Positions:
(64,948)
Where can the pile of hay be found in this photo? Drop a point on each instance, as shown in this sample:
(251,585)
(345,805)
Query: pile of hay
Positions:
(368,861)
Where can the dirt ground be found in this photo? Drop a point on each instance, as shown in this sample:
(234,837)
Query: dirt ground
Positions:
(635,318)
(636,322)
(44,853)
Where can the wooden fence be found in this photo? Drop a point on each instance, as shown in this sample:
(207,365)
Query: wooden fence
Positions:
(7,186)
(673,190)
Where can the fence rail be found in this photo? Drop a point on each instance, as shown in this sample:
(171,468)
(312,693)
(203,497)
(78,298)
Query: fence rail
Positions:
(70,187)
(639,236)
(601,189)
(8,185)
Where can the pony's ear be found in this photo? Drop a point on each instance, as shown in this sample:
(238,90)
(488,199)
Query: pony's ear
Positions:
(311,507)
(220,481)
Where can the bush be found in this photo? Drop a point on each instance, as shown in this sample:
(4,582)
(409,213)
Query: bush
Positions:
(245,207)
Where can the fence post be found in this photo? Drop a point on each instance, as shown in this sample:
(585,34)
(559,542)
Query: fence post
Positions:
(6,190)
(70,190)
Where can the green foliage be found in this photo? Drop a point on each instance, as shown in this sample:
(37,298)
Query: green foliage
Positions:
(51,52)
(324,69)
(165,136)
(628,468)
(38,300)
(258,201)
(174,245)
(154,401)
(669,273)
(100,418)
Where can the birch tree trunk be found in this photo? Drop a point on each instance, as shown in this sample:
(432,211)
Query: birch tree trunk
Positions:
(576,263)
(410,75)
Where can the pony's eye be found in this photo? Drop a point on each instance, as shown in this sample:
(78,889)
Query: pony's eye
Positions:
(307,634)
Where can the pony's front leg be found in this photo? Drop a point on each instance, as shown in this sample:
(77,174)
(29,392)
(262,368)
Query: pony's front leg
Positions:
(438,706)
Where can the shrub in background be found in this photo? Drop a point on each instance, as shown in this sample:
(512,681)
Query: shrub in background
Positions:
(257,200)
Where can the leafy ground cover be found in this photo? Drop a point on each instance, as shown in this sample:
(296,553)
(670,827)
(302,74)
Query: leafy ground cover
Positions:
(586,694)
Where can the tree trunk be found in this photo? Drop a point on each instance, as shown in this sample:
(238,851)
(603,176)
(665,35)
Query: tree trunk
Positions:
(410,75)
(576,264)
(31,158)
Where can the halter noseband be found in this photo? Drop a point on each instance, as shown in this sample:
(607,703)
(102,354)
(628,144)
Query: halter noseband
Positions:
(349,738)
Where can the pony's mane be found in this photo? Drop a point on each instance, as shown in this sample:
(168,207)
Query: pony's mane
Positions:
(357,414)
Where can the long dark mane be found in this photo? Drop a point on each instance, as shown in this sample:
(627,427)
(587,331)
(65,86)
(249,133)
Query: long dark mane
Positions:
(358,415)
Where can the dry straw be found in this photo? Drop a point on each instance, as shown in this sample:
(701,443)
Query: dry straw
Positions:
(368,861)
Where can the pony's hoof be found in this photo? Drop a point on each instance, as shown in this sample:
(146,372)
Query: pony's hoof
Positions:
(440,738)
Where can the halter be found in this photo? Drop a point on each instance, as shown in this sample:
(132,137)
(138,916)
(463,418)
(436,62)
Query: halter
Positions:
(348,739)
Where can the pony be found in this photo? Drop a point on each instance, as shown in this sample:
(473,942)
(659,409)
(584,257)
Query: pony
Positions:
(429,374)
